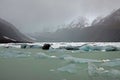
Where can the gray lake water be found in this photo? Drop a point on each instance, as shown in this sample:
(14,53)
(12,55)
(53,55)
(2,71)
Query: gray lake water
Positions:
(59,64)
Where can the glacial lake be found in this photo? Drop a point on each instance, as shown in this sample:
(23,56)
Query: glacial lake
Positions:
(58,64)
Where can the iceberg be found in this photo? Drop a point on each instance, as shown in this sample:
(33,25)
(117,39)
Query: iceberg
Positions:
(42,55)
(91,47)
(77,60)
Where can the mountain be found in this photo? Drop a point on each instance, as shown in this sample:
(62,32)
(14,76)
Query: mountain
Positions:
(9,34)
(106,30)
(103,29)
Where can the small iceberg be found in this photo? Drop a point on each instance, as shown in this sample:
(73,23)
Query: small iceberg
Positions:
(43,55)
(77,60)
(90,48)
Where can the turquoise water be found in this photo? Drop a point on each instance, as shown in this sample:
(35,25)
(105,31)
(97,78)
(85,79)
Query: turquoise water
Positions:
(37,64)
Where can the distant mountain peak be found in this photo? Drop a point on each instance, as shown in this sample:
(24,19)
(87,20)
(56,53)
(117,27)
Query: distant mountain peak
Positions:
(116,12)
(112,19)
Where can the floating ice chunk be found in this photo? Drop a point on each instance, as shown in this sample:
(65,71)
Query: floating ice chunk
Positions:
(81,60)
(100,72)
(43,55)
(91,48)
(109,48)
(78,60)
(13,53)
(53,56)
(85,48)
(52,70)
(105,60)
(111,63)
(100,68)
(92,69)
(95,70)
(64,56)
(71,68)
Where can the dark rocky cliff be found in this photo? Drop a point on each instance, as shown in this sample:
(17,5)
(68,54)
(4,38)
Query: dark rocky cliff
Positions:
(9,34)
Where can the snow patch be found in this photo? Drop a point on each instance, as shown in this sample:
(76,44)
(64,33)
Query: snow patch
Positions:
(8,38)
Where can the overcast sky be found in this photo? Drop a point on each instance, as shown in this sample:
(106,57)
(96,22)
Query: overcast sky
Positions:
(38,15)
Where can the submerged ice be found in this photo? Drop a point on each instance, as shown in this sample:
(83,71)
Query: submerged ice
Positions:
(14,54)
(98,72)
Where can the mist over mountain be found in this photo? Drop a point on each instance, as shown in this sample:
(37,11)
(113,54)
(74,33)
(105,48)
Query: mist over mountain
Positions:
(103,29)
(9,34)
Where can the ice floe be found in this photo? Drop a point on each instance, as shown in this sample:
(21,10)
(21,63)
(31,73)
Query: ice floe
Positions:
(71,68)
(14,54)
(77,60)
(111,63)
(97,72)
(41,55)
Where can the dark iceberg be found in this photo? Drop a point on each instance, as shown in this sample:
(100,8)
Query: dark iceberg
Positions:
(9,34)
